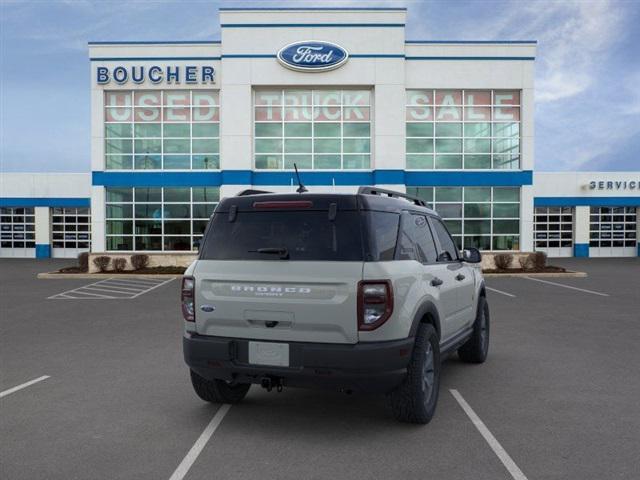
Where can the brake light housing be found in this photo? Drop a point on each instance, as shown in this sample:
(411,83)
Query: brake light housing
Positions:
(375,303)
(187,298)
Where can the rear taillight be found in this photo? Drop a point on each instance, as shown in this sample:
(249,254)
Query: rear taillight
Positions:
(375,303)
(187,298)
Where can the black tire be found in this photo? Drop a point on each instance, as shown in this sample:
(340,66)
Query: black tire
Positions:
(476,349)
(415,400)
(218,391)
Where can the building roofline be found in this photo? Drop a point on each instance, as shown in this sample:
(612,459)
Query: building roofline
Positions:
(156,42)
(478,42)
(302,9)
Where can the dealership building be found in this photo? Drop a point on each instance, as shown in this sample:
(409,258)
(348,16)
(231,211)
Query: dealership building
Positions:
(342,94)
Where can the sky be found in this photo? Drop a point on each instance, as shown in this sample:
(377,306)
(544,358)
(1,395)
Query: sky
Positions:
(587,68)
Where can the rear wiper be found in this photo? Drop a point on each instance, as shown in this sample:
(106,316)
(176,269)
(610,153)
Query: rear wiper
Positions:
(283,252)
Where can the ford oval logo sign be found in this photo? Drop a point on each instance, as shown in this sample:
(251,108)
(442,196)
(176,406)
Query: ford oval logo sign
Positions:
(312,56)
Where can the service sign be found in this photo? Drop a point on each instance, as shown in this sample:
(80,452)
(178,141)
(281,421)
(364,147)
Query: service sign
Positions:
(312,56)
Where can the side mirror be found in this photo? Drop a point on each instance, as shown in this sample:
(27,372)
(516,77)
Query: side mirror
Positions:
(471,255)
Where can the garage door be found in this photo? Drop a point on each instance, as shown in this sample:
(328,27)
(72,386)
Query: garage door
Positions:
(70,231)
(612,232)
(553,231)
(17,232)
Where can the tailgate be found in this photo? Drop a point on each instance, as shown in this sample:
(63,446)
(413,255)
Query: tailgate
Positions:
(299,301)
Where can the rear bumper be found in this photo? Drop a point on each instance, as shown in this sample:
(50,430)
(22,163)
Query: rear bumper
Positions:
(363,367)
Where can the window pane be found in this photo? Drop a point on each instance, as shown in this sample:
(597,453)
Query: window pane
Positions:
(506,210)
(148,227)
(356,145)
(269,161)
(149,146)
(176,130)
(177,146)
(501,194)
(448,194)
(477,161)
(145,162)
(477,194)
(448,145)
(177,228)
(477,227)
(206,194)
(506,161)
(506,226)
(268,129)
(301,161)
(449,210)
(477,146)
(177,162)
(148,210)
(477,210)
(206,130)
(122,227)
(114,145)
(177,195)
(327,161)
(119,194)
(148,194)
(297,129)
(477,129)
(297,146)
(356,130)
(419,129)
(206,161)
(356,161)
(420,161)
(209,145)
(448,129)
(119,211)
(449,161)
(119,243)
(268,146)
(327,146)
(115,130)
(119,162)
(419,145)
(177,211)
(147,130)
(327,129)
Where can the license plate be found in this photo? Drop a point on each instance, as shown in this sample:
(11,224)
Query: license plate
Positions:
(269,353)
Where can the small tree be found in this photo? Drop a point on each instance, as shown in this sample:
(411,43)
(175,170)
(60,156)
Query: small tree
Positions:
(83,261)
(539,260)
(102,262)
(139,261)
(503,260)
(526,262)
(119,264)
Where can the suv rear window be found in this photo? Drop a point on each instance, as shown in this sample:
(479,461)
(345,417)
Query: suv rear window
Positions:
(291,235)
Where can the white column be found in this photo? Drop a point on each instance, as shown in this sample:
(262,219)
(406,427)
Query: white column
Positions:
(526,218)
(97,219)
(43,231)
(581,232)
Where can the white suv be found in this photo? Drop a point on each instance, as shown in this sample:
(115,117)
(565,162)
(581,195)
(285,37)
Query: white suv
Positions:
(356,292)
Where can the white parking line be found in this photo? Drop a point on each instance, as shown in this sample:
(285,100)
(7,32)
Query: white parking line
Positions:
(567,286)
(501,292)
(113,289)
(202,440)
(23,385)
(500,452)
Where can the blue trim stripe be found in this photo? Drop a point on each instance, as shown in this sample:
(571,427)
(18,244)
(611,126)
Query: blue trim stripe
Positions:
(586,201)
(468,58)
(474,42)
(136,59)
(354,55)
(312,25)
(43,250)
(298,9)
(157,42)
(581,250)
(44,202)
(326,178)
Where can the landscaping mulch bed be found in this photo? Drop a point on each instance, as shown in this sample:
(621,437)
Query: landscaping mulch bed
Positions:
(549,269)
(142,271)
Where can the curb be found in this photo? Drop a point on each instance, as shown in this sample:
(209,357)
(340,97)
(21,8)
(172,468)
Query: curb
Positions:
(67,276)
(538,275)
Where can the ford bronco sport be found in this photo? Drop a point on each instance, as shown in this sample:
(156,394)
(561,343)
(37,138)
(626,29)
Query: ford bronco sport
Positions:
(356,292)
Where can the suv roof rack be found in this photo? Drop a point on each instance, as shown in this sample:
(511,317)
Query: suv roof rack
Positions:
(250,191)
(391,193)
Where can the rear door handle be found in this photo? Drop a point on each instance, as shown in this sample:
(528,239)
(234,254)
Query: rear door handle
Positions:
(436,282)
(460,277)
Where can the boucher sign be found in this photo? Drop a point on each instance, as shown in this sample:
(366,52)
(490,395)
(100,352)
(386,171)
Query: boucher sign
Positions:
(614,185)
(312,56)
(171,74)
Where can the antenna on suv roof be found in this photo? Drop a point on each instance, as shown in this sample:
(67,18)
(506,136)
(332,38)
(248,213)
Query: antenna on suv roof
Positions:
(301,188)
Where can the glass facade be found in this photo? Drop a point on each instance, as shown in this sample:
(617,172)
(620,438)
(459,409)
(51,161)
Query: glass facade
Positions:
(71,228)
(159,219)
(484,217)
(315,129)
(17,228)
(462,129)
(162,130)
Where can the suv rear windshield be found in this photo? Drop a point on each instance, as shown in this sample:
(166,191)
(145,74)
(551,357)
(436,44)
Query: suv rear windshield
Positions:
(284,235)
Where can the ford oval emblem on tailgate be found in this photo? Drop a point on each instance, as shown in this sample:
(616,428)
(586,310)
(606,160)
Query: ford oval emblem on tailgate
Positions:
(207,308)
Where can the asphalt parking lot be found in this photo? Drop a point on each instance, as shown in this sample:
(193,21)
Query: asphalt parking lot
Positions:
(559,393)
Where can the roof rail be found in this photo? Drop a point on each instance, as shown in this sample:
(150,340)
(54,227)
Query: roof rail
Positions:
(391,193)
(250,191)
